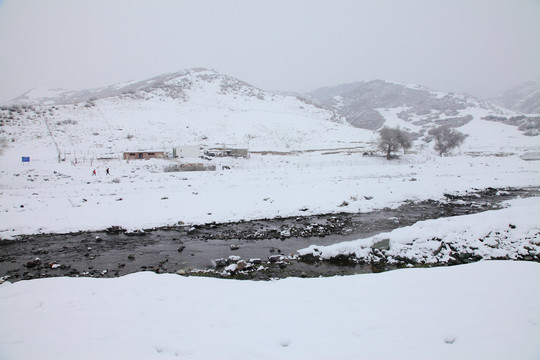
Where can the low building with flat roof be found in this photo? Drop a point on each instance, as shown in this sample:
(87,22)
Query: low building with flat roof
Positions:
(143,155)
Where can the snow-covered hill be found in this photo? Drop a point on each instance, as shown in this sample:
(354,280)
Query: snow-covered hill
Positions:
(174,85)
(198,106)
(373,104)
(206,108)
(524,97)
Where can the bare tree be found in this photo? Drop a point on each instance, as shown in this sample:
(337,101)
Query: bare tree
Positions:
(446,139)
(392,140)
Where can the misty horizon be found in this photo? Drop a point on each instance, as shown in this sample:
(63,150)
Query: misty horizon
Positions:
(480,48)
(285,91)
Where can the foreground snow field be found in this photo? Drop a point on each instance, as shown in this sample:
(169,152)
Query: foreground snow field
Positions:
(486,310)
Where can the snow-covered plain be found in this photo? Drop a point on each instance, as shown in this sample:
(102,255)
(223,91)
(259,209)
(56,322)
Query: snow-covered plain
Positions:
(486,310)
(307,161)
(44,198)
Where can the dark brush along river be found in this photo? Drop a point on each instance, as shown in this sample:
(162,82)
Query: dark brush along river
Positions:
(265,245)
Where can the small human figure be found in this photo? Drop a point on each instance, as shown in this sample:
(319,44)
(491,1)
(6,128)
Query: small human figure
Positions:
(94,172)
(107,171)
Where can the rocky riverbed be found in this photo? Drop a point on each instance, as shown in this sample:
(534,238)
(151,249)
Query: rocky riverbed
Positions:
(260,249)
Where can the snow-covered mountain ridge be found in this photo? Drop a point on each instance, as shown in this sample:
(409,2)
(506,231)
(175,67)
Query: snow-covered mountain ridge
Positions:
(174,85)
(524,97)
(207,108)
(373,104)
(198,106)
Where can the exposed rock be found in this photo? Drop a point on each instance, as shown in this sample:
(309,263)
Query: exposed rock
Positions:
(221,262)
(233,259)
(275,258)
(241,265)
(309,258)
(383,244)
(343,259)
(34,263)
(135,233)
(114,230)
(182,272)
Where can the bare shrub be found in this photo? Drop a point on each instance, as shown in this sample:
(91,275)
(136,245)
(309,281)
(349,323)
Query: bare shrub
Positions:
(446,139)
(3,144)
(189,167)
(66,122)
(392,140)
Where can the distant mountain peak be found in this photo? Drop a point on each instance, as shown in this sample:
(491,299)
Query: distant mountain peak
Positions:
(524,97)
(368,104)
(174,85)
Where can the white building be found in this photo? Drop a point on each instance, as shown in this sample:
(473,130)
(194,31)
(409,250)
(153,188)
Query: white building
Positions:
(189,151)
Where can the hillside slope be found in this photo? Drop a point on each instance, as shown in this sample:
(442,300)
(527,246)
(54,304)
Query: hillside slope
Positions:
(366,104)
(203,107)
(417,109)
(198,106)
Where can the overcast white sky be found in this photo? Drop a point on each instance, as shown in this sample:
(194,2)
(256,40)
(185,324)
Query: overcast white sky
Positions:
(477,46)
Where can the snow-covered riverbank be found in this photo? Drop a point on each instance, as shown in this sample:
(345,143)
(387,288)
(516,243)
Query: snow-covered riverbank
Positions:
(511,233)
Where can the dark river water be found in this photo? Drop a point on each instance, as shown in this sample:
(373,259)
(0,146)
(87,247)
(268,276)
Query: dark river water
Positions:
(194,250)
